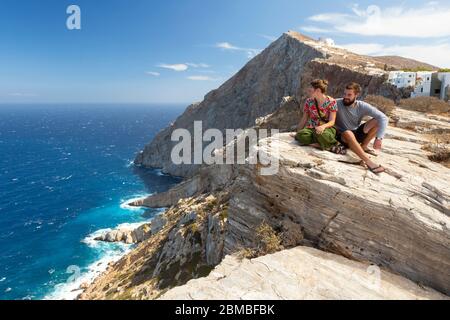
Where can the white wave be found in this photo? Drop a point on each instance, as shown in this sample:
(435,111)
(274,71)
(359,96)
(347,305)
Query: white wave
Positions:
(71,289)
(130,225)
(59,178)
(89,240)
(130,163)
(160,173)
(125,204)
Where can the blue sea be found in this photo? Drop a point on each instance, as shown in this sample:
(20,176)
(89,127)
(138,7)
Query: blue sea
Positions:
(66,174)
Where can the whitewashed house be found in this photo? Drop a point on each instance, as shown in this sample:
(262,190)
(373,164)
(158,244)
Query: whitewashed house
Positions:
(402,79)
(423,84)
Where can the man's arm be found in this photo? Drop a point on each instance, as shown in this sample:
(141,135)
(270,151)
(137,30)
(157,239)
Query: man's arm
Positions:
(382,119)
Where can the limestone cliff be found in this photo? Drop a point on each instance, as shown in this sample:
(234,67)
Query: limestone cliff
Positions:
(398,221)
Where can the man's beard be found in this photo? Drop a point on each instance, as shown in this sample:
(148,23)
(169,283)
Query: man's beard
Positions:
(348,102)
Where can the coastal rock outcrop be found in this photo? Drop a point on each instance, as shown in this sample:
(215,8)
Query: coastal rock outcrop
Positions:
(127,235)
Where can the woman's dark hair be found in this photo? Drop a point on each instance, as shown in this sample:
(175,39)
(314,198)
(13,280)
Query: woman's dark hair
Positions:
(320,84)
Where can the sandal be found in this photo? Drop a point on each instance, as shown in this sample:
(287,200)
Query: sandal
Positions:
(339,149)
(371,152)
(373,170)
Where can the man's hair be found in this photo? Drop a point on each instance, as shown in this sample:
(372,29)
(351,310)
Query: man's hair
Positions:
(354,86)
(320,84)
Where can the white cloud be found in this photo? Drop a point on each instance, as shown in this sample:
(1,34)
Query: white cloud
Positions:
(175,67)
(152,73)
(431,20)
(228,46)
(437,54)
(182,66)
(201,78)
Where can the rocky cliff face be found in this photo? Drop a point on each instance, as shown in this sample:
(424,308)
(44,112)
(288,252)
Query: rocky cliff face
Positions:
(283,69)
(186,242)
(398,221)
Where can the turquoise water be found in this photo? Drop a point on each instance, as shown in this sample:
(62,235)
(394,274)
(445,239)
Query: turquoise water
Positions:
(65,173)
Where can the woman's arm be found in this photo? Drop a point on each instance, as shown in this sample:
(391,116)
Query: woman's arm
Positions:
(331,120)
(329,124)
(303,120)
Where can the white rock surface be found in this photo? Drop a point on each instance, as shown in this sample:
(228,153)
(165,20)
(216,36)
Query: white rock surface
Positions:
(299,273)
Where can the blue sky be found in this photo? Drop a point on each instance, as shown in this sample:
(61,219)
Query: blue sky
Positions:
(176,51)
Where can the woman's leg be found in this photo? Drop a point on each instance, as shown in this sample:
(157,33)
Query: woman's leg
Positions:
(305,136)
(327,139)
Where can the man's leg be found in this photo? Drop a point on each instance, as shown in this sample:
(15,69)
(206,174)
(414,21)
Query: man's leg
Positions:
(349,138)
(370,128)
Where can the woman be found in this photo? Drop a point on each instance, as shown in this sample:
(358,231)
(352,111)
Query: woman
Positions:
(319,115)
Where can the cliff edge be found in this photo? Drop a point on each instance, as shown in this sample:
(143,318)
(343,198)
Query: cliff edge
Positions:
(398,221)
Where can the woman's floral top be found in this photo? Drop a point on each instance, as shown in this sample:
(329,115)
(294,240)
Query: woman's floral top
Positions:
(325,109)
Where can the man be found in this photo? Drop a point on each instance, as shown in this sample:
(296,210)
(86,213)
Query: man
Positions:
(355,135)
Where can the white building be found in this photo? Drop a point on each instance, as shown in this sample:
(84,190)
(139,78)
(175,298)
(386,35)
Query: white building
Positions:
(327,41)
(423,84)
(402,79)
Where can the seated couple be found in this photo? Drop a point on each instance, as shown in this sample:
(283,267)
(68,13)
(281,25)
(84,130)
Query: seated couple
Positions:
(335,125)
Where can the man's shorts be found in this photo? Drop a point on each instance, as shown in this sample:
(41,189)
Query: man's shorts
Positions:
(359,134)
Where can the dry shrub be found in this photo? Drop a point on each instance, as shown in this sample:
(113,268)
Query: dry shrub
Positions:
(267,239)
(426,104)
(439,148)
(267,242)
(246,253)
(385,105)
